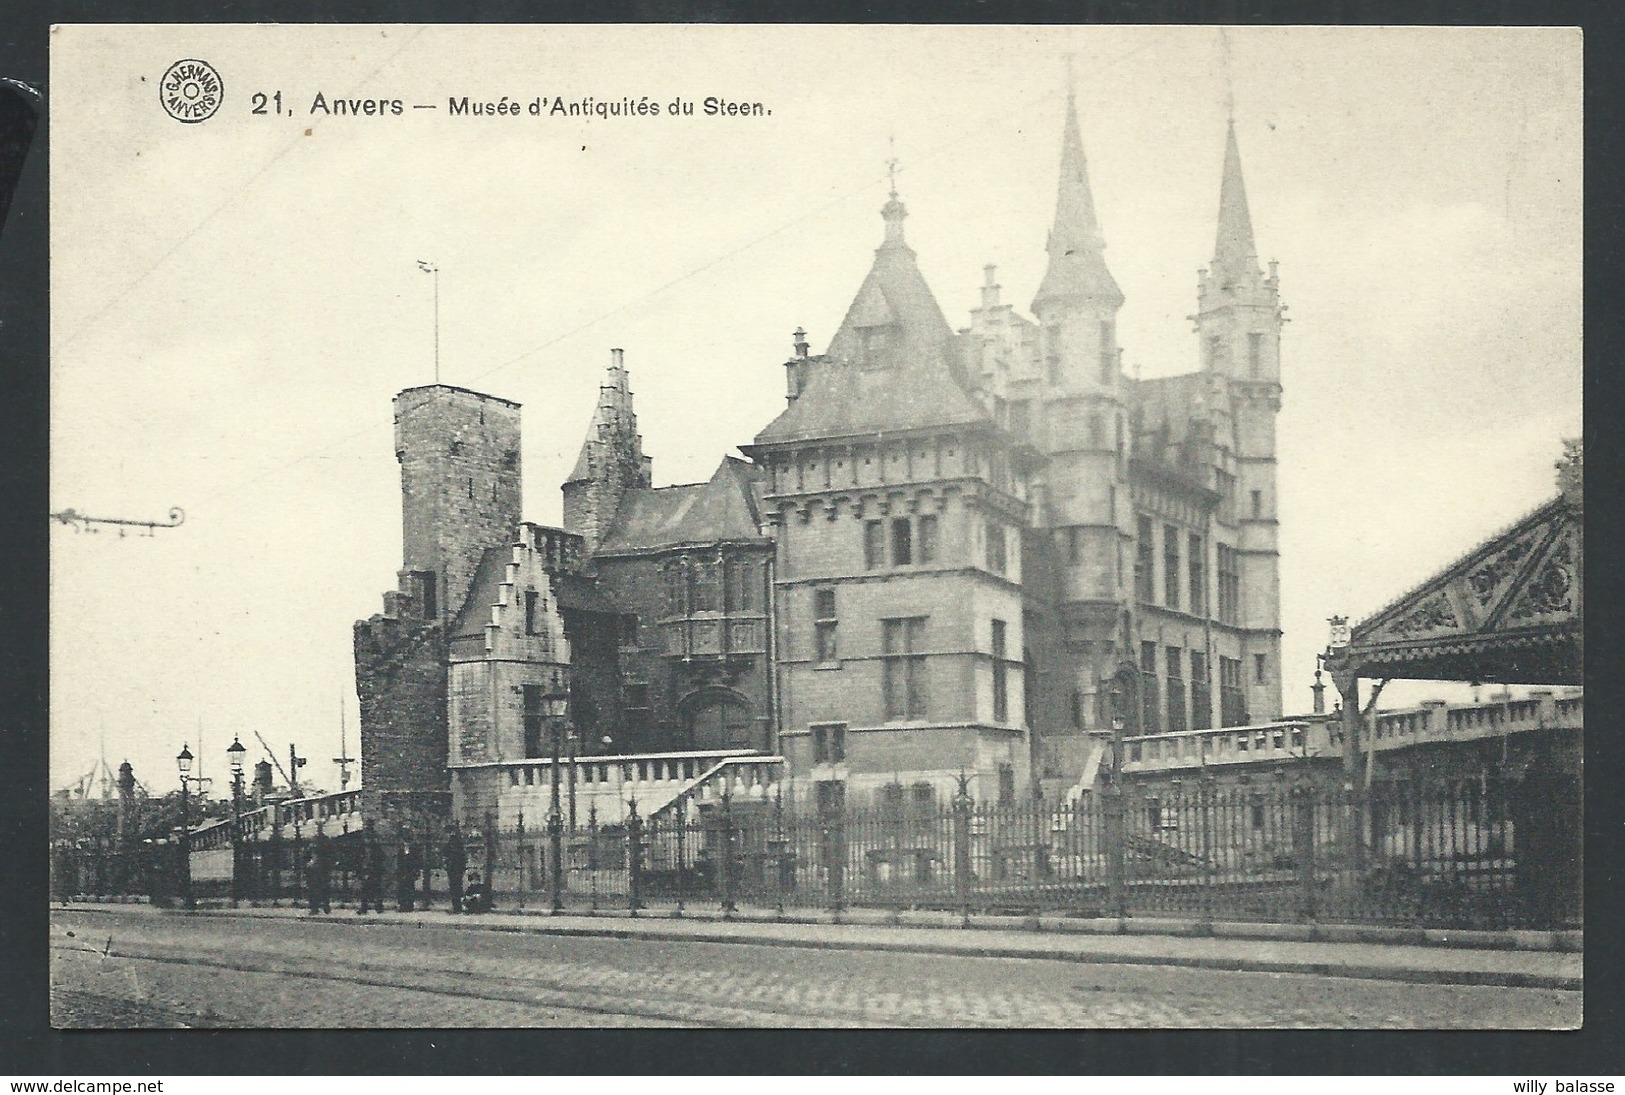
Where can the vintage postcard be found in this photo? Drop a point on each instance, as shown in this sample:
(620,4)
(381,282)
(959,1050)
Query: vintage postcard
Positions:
(816,526)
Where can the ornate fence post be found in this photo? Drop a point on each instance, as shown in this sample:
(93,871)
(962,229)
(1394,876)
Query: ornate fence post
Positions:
(592,852)
(491,853)
(1116,850)
(1303,832)
(634,857)
(962,809)
(727,857)
(777,857)
(524,860)
(681,810)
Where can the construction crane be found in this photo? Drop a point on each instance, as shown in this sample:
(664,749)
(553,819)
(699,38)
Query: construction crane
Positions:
(294,759)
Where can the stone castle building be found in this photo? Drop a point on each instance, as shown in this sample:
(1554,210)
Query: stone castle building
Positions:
(932,562)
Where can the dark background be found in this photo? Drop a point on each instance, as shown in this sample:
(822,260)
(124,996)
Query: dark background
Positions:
(29,1048)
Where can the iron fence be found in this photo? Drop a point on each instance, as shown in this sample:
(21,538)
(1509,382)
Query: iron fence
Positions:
(1457,853)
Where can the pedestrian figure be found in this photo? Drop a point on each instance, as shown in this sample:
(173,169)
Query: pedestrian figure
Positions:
(456,864)
(406,872)
(317,889)
(372,871)
(477,897)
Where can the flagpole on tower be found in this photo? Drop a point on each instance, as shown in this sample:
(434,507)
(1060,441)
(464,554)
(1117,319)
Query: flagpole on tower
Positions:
(434,268)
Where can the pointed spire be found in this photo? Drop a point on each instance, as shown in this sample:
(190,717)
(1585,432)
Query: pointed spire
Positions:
(1077,267)
(893,211)
(1234,254)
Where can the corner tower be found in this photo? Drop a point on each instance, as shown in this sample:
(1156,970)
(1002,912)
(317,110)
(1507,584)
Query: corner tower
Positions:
(1238,322)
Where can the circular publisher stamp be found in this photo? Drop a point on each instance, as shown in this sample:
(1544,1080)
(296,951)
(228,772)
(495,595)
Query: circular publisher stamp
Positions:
(191,90)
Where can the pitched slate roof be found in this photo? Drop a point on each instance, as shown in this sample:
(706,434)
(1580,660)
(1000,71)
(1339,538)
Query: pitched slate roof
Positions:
(915,382)
(1077,264)
(725,507)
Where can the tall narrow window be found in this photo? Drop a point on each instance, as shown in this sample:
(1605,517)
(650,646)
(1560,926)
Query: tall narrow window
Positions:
(427,586)
(1197,565)
(1094,431)
(531,599)
(1144,579)
(1077,709)
(676,589)
(1149,721)
(703,592)
(1229,585)
(824,625)
(874,544)
(1176,689)
(1215,352)
(1001,683)
(1258,503)
(1170,565)
(829,743)
(904,668)
(1007,784)
(1074,545)
(902,542)
(1052,353)
(1260,669)
(532,719)
(629,632)
(741,593)
(1108,353)
(1201,697)
(1255,354)
(928,538)
(996,559)
(1232,705)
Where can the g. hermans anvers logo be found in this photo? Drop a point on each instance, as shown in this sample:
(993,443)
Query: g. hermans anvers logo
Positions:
(191,90)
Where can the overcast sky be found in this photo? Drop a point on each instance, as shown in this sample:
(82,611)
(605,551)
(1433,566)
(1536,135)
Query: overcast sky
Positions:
(235,302)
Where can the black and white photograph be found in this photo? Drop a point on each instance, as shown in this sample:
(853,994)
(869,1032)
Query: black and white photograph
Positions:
(816,527)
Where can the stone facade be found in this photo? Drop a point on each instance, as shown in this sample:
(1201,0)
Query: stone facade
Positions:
(929,565)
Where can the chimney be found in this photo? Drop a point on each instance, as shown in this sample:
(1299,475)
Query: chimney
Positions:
(801,343)
(990,287)
(795,370)
(617,358)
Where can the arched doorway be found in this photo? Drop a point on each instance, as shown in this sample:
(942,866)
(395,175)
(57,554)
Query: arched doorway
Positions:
(719,719)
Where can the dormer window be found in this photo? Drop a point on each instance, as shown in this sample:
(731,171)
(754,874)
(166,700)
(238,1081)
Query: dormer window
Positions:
(874,346)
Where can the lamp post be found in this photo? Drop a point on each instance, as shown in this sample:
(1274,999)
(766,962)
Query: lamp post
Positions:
(234,754)
(183,761)
(556,705)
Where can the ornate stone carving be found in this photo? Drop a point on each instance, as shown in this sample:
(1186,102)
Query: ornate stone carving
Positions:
(1433,614)
(1490,578)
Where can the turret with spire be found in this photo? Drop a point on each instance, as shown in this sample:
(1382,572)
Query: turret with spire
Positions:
(1078,299)
(611,460)
(1239,311)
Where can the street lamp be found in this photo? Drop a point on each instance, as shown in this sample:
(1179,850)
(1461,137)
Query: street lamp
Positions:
(556,705)
(234,754)
(183,761)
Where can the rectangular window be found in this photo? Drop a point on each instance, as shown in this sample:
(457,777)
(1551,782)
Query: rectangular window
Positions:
(1259,666)
(703,585)
(1170,565)
(1198,575)
(996,559)
(1176,689)
(629,632)
(741,585)
(1229,585)
(1150,722)
(1225,485)
(1077,709)
(824,625)
(1021,418)
(1007,784)
(1232,705)
(1258,503)
(874,545)
(1255,354)
(426,586)
(531,598)
(676,590)
(1074,545)
(1144,579)
(1052,353)
(1001,683)
(532,718)
(1201,696)
(927,539)
(904,668)
(1108,353)
(1216,357)
(902,542)
(829,743)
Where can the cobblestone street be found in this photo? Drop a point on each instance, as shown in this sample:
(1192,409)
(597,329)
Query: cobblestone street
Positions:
(121,969)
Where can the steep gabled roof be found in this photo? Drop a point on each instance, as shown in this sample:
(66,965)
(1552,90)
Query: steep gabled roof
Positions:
(913,381)
(722,508)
